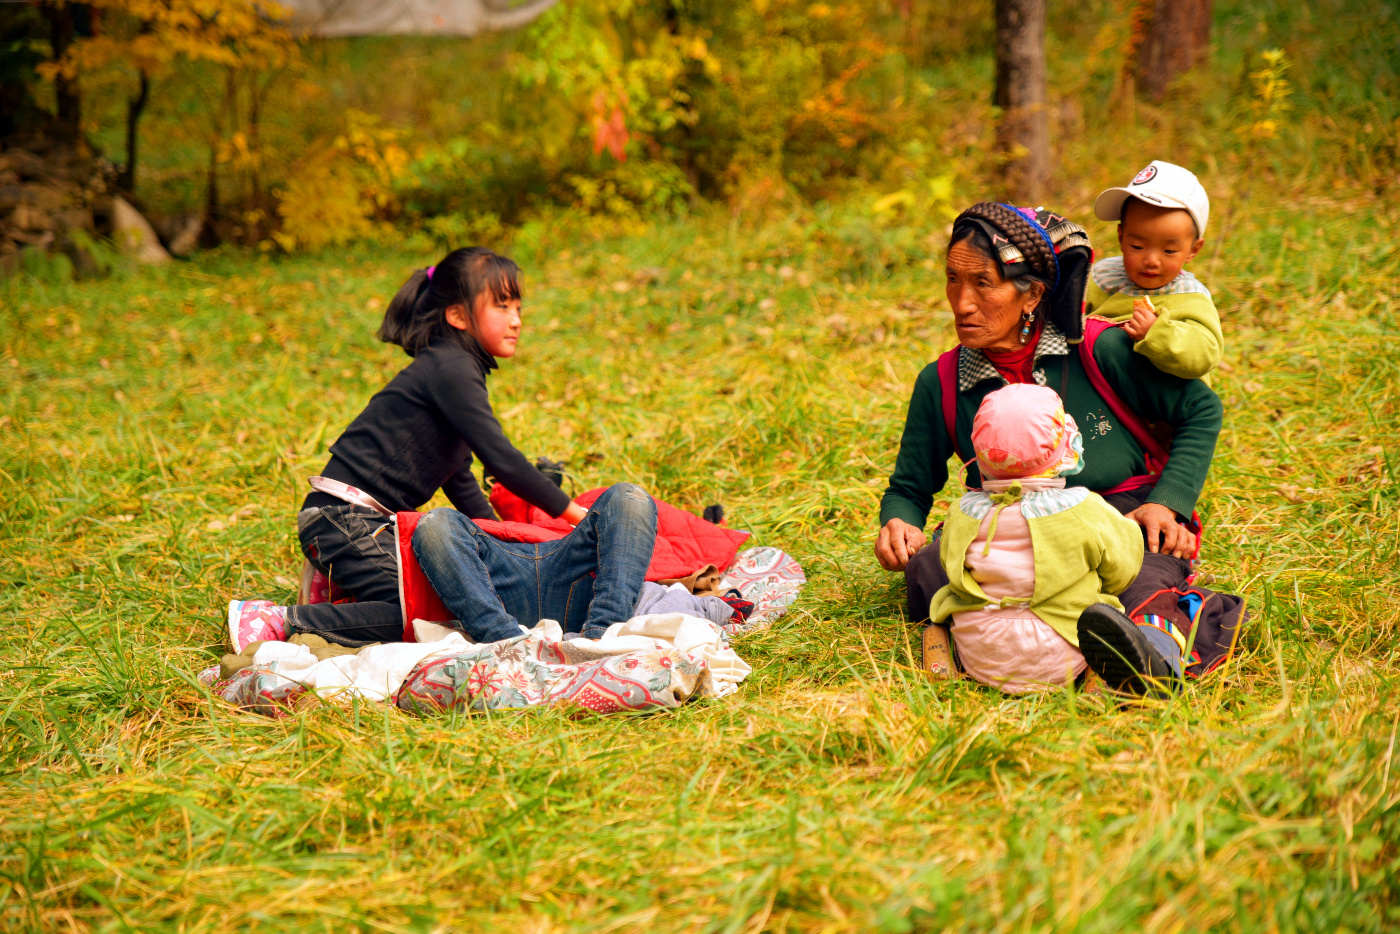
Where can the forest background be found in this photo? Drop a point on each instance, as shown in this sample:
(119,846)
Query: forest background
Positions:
(731,217)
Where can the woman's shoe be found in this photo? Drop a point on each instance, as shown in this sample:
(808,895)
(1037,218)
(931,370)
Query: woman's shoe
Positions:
(252,621)
(1121,655)
(938,653)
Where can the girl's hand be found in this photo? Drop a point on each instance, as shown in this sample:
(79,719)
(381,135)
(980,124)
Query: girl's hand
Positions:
(898,542)
(1160,523)
(574,514)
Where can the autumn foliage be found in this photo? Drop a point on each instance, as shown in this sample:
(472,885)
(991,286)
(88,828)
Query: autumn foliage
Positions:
(626,110)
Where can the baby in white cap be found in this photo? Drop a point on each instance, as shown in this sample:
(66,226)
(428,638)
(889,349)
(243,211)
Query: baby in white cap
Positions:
(1161,215)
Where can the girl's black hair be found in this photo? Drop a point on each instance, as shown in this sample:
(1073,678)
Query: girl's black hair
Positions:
(418,313)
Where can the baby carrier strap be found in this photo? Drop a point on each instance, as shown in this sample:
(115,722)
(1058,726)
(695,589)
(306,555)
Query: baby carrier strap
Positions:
(1153,449)
(948,382)
(1155,452)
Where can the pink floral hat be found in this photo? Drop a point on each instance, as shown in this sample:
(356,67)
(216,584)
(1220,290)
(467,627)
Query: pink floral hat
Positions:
(1023,431)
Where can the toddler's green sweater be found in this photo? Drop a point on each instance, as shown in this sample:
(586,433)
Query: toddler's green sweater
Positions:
(1185,341)
(1088,553)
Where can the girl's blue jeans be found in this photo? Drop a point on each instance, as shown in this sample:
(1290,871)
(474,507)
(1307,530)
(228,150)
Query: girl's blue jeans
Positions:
(587,580)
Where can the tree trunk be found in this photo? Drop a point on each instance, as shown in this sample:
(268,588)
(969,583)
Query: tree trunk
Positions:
(1176,39)
(1023,134)
(63,29)
(226,119)
(126,178)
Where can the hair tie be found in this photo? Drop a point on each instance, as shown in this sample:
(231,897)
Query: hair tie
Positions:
(431,269)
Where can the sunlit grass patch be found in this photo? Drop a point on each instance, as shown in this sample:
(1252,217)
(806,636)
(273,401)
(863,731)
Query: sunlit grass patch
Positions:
(156,434)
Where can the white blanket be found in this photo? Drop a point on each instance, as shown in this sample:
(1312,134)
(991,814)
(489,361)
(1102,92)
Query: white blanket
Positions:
(374,673)
(378,672)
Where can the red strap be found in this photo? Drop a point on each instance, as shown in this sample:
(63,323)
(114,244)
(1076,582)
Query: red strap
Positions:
(948,380)
(1155,454)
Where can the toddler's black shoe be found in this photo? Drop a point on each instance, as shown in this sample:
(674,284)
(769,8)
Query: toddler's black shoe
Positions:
(1121,655)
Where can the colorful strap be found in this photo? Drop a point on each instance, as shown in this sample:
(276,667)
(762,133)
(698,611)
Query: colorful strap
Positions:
(1156,454)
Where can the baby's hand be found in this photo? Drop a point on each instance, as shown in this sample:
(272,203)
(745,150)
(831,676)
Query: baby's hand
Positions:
(1144,316)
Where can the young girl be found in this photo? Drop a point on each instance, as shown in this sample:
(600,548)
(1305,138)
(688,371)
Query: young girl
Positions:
(416,435)
(1026,556)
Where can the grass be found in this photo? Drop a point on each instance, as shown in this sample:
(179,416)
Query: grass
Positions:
(156,433)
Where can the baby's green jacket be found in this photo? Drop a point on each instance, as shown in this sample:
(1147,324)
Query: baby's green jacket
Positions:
(1186,340)
(1085,552)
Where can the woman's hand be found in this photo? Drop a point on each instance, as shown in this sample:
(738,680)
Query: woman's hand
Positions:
(574,514)
(898,542)
(1160,523)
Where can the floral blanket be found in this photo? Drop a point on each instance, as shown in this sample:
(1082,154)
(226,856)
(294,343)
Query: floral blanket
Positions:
(646,663)
(768,577)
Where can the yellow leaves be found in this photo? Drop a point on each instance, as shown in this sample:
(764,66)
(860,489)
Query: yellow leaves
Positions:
(237,152)
(342,190)
(225,32)
(1261,129)
(1271,96)
(322,205)
(893,202)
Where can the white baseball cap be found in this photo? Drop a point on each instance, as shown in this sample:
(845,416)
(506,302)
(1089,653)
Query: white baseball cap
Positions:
(1162,184)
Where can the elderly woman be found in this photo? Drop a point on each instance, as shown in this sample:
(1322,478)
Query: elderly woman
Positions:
(1016,282)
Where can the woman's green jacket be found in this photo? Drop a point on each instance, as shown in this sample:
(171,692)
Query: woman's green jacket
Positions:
(1111,454)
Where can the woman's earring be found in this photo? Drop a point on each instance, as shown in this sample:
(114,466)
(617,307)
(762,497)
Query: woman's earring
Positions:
(1026,321)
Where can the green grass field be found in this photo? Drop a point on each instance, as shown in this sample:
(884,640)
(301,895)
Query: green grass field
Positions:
(156,432)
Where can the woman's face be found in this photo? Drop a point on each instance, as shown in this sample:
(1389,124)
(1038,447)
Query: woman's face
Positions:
(987,308)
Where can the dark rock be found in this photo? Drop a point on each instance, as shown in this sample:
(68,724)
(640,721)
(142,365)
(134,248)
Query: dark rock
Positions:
(49,191)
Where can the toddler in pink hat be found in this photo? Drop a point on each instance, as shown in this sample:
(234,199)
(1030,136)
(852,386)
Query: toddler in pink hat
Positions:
(1026,555)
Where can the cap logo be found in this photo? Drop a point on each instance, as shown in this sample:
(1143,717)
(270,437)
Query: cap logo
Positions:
(1145,176)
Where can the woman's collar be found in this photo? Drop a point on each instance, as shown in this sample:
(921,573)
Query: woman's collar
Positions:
(973,365)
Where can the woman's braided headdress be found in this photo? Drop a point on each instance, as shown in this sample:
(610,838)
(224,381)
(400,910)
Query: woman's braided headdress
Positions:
(1040,242)
(1014,239)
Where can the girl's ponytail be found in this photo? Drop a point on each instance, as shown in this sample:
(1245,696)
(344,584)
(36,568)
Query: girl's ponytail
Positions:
(417,313)
(397,326)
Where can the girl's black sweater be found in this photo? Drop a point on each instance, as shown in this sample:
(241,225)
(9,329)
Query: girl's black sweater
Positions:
(418,434)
